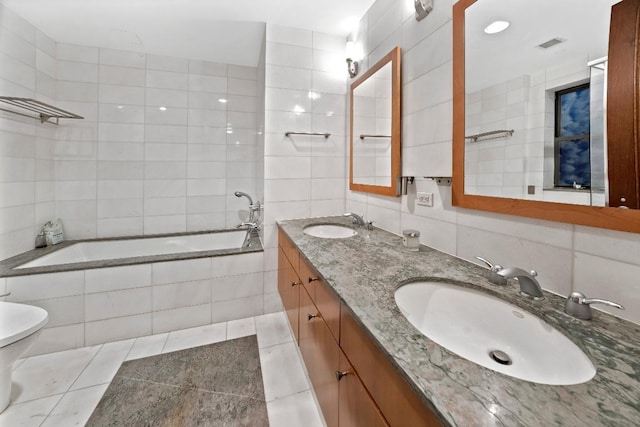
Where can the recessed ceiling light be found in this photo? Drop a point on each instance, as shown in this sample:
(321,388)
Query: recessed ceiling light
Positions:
(163,108)
(496,27)
(222,101)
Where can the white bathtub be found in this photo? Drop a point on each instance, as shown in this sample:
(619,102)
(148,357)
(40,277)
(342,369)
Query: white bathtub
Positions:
(131,248)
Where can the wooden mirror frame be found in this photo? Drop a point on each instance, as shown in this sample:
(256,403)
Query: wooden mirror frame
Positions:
(593,216)
(392,189)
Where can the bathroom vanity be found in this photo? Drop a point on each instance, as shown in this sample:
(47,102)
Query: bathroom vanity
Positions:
(370,366)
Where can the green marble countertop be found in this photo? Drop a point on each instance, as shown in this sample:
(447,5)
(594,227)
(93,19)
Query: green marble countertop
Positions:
(365,270)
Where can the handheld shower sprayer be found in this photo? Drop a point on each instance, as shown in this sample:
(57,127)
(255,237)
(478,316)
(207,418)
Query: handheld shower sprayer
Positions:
(242,194)
(252,208)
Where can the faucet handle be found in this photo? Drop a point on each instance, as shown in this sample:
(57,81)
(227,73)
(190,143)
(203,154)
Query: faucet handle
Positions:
(494,277)
(491,266)
(578,305)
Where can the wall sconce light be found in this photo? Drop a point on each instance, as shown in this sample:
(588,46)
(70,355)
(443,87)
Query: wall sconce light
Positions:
(352,59)
(352,66)
(423,8)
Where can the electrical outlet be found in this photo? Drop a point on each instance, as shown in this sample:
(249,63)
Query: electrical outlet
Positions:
(425,199)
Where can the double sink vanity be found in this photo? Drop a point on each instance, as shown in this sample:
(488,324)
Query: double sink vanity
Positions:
(395,337)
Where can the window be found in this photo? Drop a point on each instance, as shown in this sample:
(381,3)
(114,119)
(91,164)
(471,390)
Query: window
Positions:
(572,145)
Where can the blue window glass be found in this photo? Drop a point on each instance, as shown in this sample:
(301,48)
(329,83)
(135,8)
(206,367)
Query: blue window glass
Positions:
(572,142)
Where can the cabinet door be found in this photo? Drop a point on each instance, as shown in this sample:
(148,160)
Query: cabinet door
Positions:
(396,399)
(289,289)
(321,356)
(356,408)
(623,102)
(324,298)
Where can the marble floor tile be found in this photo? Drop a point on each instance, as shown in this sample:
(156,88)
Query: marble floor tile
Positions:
(147,346)
(193,337)
(28,414)
(75,408)
(296,410)
(241,328)
(273,329)
(226,367)
(282,371)
(49,374)
(289,399)
(175,406)
(104,365)
(216,384)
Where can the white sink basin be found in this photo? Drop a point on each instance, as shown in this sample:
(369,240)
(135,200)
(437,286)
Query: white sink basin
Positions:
(473,325)
(329,231)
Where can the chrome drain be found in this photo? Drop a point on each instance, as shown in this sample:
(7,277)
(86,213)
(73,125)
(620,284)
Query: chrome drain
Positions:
(501,357)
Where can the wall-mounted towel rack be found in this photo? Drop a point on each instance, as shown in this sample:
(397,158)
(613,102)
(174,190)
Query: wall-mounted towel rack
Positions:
(494,134)
(46,113)
(326,135)
(363,136)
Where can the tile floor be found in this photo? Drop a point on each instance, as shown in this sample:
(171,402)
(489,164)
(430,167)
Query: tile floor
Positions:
(62,389)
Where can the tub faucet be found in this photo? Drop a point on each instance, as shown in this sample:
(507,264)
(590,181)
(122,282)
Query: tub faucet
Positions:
(529,286)
(355,218)
(249,225)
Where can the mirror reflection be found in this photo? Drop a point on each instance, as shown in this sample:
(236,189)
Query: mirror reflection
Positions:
(372,129)
(375,128)
(535,96)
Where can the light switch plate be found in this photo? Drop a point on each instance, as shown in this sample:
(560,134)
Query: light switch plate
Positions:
(425,199)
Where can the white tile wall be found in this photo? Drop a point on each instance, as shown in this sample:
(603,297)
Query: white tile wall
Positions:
(601,263)
(124,134)
(107,304)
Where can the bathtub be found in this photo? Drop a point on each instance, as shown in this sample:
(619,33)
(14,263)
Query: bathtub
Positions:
(104,250)
(104,290)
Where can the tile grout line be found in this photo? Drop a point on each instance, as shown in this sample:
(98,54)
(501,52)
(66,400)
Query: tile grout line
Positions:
(192,388)
(85,368)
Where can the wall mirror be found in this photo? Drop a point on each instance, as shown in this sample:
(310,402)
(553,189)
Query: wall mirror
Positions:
(375,128)
(534,106)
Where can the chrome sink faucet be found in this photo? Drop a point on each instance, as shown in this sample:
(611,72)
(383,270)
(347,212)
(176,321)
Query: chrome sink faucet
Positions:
(494,277)
(355,218)
(579,306)
(529,286)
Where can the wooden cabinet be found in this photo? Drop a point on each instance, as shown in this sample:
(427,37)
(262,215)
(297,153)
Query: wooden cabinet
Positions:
(326,301)
(289,285)
(356,408)
(321,355)
(355,384)
(395,398)
(623,105)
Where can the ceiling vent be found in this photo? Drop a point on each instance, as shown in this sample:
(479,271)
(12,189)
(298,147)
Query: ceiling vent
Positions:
(549,43)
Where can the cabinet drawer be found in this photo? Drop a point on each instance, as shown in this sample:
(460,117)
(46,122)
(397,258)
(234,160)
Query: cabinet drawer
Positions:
(322,296)
(395,398)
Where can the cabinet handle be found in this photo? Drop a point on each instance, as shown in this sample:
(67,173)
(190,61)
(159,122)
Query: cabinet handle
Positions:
(313,279)
(340,374)
(312,316)
(295,284)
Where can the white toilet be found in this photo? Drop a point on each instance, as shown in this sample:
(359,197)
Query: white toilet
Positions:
(20,325)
